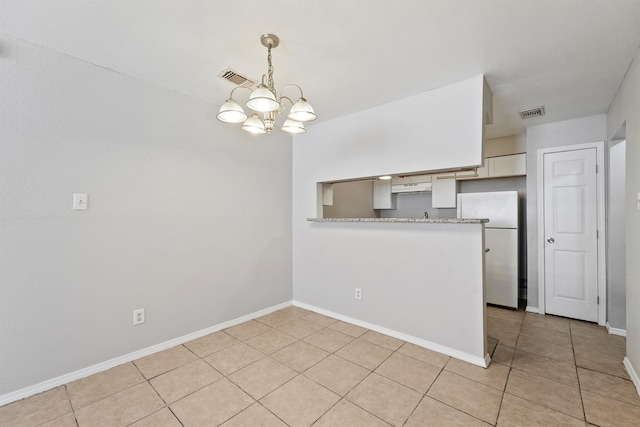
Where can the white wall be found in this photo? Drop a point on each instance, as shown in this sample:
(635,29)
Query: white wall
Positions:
(616,239)
(568,132)
(171,228)
(626,108)
(435,130)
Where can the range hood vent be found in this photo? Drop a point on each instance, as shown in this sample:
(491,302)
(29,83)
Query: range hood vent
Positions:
(419,187)
(237,78)
(532,112)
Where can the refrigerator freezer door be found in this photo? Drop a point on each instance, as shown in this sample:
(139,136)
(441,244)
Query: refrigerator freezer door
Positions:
(501,266)
(500,207)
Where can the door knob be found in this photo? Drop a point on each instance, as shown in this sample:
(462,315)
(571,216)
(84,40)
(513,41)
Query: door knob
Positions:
(551,240)
(487,250)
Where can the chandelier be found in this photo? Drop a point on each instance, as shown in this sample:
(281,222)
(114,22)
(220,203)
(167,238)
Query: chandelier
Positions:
(267,104)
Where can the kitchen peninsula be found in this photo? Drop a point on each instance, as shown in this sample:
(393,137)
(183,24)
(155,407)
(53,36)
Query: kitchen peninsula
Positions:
(421,280)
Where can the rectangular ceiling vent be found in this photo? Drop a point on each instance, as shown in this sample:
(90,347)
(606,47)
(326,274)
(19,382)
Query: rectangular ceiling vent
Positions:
(237,78)
(533,112)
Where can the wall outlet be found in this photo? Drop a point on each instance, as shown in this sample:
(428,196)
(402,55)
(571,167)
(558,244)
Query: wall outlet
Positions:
(358,294)
(138,316)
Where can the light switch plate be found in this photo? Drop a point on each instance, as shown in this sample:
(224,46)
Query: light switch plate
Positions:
(80,201)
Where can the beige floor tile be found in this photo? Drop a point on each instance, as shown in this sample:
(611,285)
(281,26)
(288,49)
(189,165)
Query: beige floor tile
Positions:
(329,340)
(211,343)
(608,386)
(162,418)
(426,355)
(319,319)
(300,402)
(547,321)
(180,382)
(587,329)
(255,415)
(164,361)
(492,343)
(519,412)
(603,411)
(247,330)
(212,405)
(276,319)
(385,399)
(271,341)
(608,366)
(545,349)
(494,376)
(547,334)
(296,311)
(37,409)
(545,392)
(409,372)
(98,386)
(337,374)
(382,340)
(506,314)
(121,409)
(430,412)
(67,420)
(471,397)
(233,358)
(262,377)
(554,370)
(503,355)
(346,414)
(300,328)
(364,354)
(299,356)
(505,331)
(348,328)
(608,345)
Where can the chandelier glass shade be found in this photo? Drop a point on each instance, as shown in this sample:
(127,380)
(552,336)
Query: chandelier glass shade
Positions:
(265,101)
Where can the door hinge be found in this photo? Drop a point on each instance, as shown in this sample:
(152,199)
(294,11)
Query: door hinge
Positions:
(597,234)
(598,299)
(596,169)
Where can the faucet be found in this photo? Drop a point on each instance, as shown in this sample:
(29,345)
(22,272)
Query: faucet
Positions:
(426,215)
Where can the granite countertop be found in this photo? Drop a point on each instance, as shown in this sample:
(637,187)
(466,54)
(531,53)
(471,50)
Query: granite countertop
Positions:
(420,220)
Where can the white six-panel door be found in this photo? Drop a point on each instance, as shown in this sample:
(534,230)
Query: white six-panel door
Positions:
(570,234)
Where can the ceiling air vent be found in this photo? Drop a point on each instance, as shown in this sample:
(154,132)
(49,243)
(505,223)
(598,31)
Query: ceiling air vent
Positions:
(533,112)
(236,78)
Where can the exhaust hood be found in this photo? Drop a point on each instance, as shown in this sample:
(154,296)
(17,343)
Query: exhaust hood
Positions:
(415,187)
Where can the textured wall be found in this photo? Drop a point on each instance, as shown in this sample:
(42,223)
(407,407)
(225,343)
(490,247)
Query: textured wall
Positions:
(188,218)
(626,109)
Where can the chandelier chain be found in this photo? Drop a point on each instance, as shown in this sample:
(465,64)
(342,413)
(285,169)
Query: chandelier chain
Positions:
(270,72)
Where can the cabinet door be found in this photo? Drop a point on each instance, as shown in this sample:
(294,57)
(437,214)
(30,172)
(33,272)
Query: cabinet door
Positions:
(443,192)
(382,197)
(327,194)
(513,165)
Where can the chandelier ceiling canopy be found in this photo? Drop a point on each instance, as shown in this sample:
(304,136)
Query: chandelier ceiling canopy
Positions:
(266,103)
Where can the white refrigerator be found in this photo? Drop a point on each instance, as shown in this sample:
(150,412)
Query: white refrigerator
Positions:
(501,241)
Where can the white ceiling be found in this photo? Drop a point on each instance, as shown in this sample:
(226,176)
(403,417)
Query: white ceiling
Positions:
(349,55)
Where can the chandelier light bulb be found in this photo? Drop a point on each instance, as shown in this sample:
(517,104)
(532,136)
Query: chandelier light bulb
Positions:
(263,100)
(302,111)
(231,112)
(291,126)
(254,125)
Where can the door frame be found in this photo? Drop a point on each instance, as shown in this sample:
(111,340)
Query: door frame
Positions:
(601,221)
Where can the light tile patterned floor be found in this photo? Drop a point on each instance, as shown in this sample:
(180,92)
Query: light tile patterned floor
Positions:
(298,368)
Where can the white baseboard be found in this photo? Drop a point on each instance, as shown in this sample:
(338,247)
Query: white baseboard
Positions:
(475,360)
(616,331)
(103,366)
(632,374)
(532,309)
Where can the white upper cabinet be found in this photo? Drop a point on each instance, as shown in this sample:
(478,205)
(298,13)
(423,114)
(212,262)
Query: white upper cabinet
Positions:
(513,165)
(444,192)
(382,196)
